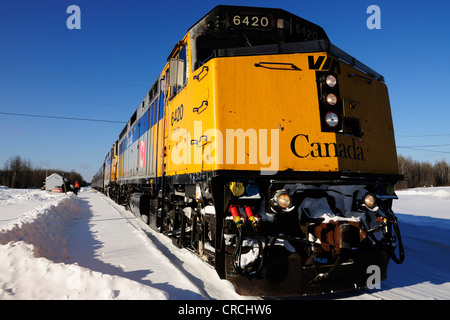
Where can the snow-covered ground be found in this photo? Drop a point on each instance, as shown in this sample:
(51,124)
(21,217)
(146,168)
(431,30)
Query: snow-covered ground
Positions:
(58,246)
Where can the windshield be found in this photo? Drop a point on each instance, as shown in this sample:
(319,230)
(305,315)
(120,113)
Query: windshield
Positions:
(233,27)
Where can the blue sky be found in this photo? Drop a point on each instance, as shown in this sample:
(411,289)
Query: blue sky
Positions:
(103,70)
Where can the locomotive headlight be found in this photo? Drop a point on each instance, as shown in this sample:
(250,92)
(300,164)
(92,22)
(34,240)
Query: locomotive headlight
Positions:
(284,200)
(369,200)
(331,80)
(332,119)
(281,200)
(331,99)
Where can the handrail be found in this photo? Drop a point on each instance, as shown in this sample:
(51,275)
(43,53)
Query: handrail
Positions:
(197,76)
(351,75)
(201,109)
(293,66)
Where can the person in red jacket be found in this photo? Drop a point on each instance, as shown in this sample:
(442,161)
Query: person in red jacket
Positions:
(76,187)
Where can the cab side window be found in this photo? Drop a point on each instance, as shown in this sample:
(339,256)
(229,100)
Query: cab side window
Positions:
(183,56)
(178,71)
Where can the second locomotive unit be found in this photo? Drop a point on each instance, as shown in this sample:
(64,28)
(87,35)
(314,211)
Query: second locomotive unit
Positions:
(267,151)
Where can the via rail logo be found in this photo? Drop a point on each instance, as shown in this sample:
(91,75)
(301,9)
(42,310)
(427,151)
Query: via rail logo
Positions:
(142,149)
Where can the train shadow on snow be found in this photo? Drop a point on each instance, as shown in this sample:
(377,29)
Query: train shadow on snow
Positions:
(84,243)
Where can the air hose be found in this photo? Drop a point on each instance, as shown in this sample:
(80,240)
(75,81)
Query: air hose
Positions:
(393,234)
(326,275)
(248,270)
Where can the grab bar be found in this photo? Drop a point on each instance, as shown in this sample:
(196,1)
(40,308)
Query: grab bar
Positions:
(293,66)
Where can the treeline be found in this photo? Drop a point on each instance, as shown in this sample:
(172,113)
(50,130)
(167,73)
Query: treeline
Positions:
(423,174)
(20,173)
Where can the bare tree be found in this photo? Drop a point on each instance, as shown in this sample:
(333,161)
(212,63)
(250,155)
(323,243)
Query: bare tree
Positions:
(422,174)
(19,173)
(441,173)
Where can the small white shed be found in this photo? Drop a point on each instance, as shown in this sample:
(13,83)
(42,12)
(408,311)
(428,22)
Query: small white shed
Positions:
(54,180)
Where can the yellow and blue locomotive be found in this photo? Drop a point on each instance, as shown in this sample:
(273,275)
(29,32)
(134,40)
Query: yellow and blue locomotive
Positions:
(267,151)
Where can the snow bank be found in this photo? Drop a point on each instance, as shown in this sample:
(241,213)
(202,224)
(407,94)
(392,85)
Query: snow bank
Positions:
(435,193)
(33,250)
(424,202)
(45,228)
(12,196)
(23,276)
